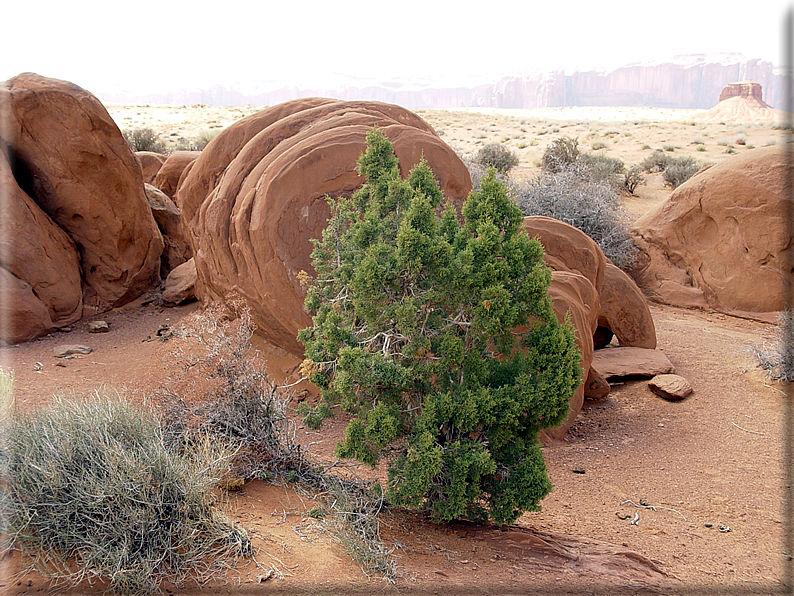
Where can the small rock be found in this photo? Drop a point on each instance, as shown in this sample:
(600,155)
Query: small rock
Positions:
(66,329)
(578,470)
(671,387)
(98,327)
(70,349)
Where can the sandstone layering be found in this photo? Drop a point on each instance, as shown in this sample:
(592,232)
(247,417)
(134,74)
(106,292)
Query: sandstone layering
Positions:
(720,241)
(70,169)
(255,198)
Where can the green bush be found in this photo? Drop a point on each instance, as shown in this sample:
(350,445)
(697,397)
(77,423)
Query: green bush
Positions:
(414,334)
(560,154)
(679,170)
(144,139)
(92,493)
(497,156)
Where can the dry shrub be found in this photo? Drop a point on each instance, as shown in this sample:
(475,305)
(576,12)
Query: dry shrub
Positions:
(777,357)
(144,139)
(92,493)
(594,207)
(225,393)
(237,405)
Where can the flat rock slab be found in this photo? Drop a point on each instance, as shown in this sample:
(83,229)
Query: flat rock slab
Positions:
(70,350)
(672,387)
(627,362)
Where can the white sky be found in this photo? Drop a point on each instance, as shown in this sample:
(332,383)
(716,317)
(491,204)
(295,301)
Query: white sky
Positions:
(155,45)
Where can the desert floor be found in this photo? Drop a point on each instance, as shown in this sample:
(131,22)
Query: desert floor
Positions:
(714,459)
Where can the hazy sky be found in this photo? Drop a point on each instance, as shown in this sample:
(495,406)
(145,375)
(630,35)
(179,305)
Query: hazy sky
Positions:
(153,45)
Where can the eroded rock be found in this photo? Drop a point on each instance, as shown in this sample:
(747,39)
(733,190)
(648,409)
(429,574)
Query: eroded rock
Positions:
(670,387)
(628,362)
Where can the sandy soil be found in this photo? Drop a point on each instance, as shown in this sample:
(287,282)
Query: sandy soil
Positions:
(714,459)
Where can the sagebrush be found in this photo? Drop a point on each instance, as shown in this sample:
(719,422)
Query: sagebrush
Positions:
(144,139)
(93,493)
(776,357)
(593,207)
(497,156)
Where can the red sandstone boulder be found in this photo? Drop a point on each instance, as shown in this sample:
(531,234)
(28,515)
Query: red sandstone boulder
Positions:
(568,248)
(573,293)
(180,285)
(167,178)
(624,311)
(72,160)
(628,362)
(39,266)
(166,214)
(251,232)
(150,164)
(720,240)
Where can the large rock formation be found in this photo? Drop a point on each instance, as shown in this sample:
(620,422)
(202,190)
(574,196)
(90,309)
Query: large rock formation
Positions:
(741,102)
(39,267)
(70,159)
(720,241)
(150,164)
(167,178)
(256,197)
(692,81)
(598,295)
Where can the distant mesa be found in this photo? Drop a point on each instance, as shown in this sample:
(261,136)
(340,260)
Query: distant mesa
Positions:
(741,102)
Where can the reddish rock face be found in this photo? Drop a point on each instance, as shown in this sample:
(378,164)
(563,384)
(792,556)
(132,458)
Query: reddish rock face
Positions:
(72,160)
(150,164)
(167,216)
(39,266)
(573,293)
(567,248)
(721,239)
(251,231)
(624,310)
(744,89)
(167,178)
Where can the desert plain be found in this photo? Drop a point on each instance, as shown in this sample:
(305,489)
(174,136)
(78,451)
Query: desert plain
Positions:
(705,475)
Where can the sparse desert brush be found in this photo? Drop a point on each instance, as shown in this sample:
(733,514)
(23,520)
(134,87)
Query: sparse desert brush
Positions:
(679,170)
(591,206)
(93,493)
(144,139)
(656,162)
(560,154)
(776,357)
(632,179)
(497,156)
(237,404)
(598,145)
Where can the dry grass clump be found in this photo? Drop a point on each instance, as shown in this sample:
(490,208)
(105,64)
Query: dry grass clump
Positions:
(777,357)
(92,493)
(144,139)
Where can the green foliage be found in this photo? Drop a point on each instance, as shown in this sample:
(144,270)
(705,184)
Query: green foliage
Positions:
(560,154)
(91,492)
(415,334)
(144,139)
(497,156)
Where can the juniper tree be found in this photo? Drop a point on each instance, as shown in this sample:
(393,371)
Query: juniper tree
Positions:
(440,338)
